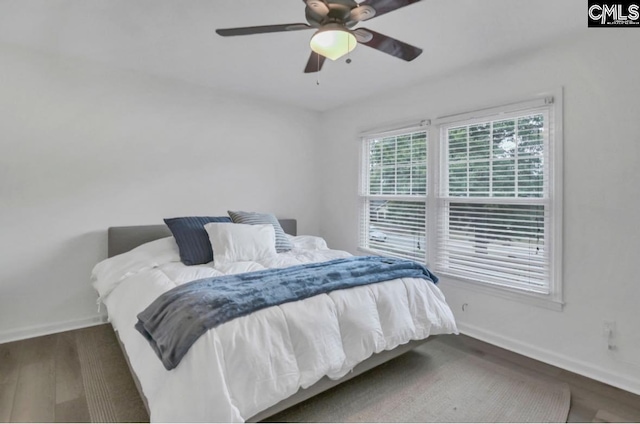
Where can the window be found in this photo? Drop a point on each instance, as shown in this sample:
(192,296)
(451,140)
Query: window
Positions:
(393,194)
(495,201)
(493,217)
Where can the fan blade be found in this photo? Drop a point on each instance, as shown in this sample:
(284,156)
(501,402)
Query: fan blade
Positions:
(229,32)
(314,64)
(385,6)
(390,45)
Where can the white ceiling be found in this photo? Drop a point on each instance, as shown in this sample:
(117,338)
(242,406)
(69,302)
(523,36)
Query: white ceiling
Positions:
(176,38)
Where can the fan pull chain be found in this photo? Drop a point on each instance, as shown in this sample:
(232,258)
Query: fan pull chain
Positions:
(318,71)
(349,49)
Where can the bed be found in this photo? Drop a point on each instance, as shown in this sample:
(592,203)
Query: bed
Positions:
(255,366)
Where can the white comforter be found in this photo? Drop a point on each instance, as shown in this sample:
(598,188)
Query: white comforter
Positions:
(248,364)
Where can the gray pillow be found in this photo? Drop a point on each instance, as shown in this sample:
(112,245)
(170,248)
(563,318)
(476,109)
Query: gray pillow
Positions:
(283,244)
(192,238)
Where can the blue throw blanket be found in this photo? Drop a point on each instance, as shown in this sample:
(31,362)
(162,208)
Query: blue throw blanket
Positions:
(176,319)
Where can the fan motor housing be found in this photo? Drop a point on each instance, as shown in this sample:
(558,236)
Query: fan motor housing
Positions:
(319,13)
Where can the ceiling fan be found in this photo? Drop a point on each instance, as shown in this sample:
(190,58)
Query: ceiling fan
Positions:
(334,38)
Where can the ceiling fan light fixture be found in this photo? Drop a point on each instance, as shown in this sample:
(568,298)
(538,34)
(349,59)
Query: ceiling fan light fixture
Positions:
(333,42)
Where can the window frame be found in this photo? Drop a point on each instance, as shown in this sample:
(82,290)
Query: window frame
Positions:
(552,103)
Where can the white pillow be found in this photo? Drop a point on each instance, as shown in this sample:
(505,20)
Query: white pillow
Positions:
(240,242)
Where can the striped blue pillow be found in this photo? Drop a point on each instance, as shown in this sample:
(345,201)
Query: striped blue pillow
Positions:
(192,238)
(283,244)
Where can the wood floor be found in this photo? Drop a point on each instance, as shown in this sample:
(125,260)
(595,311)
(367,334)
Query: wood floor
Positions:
(41,380)
(68,377)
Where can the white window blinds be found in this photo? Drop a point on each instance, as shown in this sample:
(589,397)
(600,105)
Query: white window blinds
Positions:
(483,208)
(393,194)
(495,220)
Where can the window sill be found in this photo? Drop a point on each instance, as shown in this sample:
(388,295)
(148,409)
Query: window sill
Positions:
(546,301)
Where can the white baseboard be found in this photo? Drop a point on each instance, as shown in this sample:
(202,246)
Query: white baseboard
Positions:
(553,358)
(44,330)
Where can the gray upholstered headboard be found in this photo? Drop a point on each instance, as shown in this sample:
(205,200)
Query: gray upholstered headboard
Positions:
(123,239)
